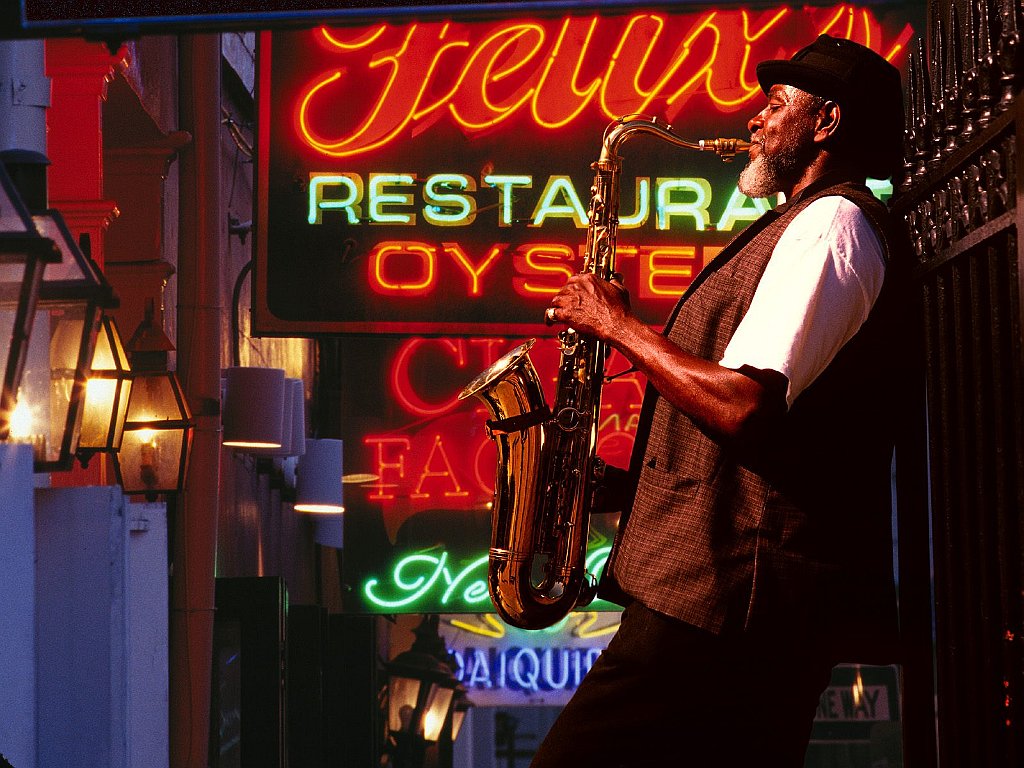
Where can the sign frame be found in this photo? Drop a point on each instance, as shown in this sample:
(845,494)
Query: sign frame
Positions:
(124,19)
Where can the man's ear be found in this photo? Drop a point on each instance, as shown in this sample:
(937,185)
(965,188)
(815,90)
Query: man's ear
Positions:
(828,121)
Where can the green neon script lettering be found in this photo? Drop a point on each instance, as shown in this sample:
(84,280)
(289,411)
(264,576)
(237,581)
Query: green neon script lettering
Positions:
(415,588)
(415,576)
(473,592)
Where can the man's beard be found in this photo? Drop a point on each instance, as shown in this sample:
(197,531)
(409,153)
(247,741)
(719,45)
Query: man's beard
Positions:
(772,172)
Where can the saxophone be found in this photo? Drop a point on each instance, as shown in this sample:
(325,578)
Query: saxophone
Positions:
(548,470)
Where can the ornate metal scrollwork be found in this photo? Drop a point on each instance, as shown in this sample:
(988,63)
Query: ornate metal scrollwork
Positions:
(981,190)
(960,167)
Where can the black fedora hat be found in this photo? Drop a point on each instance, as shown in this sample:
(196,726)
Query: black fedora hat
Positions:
(866,87)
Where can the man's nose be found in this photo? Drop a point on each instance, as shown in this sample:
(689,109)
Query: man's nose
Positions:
(755,122)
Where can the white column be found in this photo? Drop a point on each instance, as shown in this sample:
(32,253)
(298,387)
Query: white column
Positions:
(146,705)
(17,618)
(101,633)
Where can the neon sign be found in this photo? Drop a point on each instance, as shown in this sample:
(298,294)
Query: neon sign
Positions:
(422,191)
(433,177)
(529,671)
(427,582)
(434,480)
(481,76)
(388,198)
(443,458)
(503,666)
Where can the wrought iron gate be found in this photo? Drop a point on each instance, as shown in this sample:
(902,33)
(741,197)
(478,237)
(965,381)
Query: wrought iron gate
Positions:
(960,199)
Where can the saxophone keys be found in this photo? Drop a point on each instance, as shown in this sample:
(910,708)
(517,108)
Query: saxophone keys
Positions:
(569,419)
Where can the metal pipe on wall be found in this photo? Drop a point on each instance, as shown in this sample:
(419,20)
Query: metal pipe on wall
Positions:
(200,313)
(22,73)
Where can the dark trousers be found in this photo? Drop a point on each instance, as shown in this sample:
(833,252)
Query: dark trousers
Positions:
(665,694)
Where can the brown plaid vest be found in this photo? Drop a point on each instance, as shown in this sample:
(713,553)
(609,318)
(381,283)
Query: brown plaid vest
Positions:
(791,539)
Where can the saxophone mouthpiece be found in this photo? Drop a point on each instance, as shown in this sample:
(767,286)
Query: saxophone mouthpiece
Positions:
(724,148)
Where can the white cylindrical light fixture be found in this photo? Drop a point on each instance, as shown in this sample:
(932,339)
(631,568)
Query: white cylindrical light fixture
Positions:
(292,443)
(298,405)
(318,485)
(329,531)
(253,409)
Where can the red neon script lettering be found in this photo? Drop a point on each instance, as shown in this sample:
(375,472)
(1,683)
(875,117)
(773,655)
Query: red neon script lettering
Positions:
(482,74)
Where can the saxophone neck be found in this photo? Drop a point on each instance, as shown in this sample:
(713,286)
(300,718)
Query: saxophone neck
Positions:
(619,131)
(726,149)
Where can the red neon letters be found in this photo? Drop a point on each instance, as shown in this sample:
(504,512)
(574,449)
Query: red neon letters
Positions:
(481,75)
(444,458)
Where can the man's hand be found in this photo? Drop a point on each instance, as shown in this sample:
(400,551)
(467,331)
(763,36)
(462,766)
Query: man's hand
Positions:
(591,305)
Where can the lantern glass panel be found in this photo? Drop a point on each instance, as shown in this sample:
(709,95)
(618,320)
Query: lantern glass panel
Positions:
(435,712)
(73,265)
(43,414)
(154,446)
(12,276)
(154,399)
(403,694)
(12,280)
(150,459)
(106,392)
(458,718)
(12,220)
(100,399)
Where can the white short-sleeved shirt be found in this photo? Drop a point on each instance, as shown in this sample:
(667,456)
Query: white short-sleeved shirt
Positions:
(820,284)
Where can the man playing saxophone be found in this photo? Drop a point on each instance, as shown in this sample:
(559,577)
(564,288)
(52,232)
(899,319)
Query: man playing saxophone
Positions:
(756,547)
